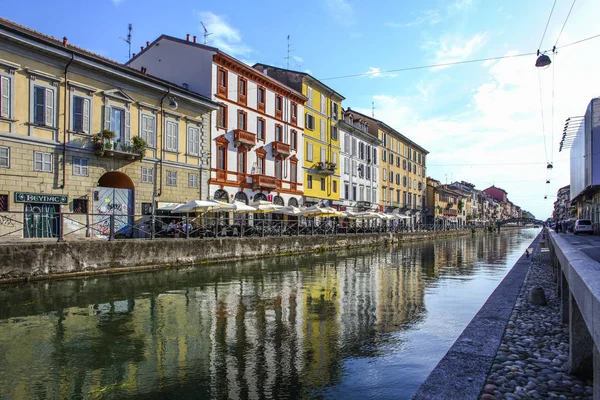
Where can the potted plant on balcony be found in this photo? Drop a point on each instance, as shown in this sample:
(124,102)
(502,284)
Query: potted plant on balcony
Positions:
(139,146)
(98,144)
(320,165)
(331,166)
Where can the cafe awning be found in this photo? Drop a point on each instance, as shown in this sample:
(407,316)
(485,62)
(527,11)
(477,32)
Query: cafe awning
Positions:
(164,206)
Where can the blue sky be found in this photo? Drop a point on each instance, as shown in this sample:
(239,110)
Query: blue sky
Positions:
(468,116)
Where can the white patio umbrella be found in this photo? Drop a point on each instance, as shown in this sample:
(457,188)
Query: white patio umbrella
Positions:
(263,206)
(241,207)
(288,210)
(202,206)
(315,211)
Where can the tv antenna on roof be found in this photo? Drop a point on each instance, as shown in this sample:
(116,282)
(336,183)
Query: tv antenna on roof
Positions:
(289,52)
(206,32)
(128,40)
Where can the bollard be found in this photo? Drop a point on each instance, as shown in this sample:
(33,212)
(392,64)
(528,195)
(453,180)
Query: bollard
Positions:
(61,221)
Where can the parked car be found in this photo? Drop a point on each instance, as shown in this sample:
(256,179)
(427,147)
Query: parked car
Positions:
(583,226)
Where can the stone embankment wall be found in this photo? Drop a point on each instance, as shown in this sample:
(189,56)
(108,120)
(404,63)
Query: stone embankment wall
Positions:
(41,260)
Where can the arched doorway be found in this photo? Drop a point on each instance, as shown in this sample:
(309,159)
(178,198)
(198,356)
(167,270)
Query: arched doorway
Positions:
(293,202)
(277,200)
(221,195)
(113,196)
(259,197)
(239,218)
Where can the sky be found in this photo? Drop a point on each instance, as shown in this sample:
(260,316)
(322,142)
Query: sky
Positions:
(489,123)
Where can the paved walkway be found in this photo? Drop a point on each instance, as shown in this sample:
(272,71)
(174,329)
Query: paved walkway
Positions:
(588,244)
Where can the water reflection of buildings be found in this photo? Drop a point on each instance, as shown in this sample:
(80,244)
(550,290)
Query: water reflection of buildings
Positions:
(270,329)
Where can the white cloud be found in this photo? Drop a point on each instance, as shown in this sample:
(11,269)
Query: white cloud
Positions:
(298,59)
(454,48)
(376,73)
(495,137)
(341,10)
(434,16)
(223,35)
(116,2)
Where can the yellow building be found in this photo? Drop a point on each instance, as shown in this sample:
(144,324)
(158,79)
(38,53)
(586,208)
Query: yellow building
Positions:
(444,204)
(321,137)
(57,99)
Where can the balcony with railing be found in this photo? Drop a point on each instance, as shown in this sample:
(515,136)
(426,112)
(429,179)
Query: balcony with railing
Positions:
(244,138)
(325,168)
(264,182)
(281,149)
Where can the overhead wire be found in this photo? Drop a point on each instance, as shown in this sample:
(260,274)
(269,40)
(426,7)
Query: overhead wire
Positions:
(448,64)
(547,23)
(565,23)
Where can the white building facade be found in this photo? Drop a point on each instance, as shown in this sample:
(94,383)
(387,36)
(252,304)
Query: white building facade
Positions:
(360,166)
(256,136)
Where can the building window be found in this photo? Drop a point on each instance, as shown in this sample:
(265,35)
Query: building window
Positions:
(294,140)
(242,118)
(404,164)
(172,136)
(323,131)
(80,166)
(354,168)
(278,106)
(81,114)
(4,157)
(146,208)
(278,168)
(322,183)
(242,161)
(346,166)
(221,157)
(278,133)
(261,165)
(384,155)
(346,191)
(334,111)
(384,174)
(409,167)
(260,129)
(310,122)
(147,175)
(294,113)
(391,177)
(404,181)
(222,82)
(391,160)
(293,172)
(353,192)
(323,104)
(242,89)
(80,206)
(117,120)
(222,116)
(334,133)
(374,156)
(309,94)
(6,96)
(193,180)
(309,181)
(397,179)
(260,97)
(193,140)
(171,178)
(334,186)
(42,161)
(43,105)
(3,202)
(148,129)
(309,151)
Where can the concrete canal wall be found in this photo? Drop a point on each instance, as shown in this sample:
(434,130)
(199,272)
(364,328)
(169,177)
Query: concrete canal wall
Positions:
(42,260)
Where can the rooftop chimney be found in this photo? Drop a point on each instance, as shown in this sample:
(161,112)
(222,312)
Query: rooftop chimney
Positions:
(133,55)
(142,48)
(187,37)
(147,44)
(65,41)
(194,38)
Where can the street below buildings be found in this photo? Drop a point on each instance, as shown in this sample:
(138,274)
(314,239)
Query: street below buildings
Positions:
(588,244)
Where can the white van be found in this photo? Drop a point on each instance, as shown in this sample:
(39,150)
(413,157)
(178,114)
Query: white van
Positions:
(583,226)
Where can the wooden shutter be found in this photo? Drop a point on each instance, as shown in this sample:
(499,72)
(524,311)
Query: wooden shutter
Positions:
(86,116)
(127,126)
(5,97)
(107,112)
(323,154)
(49,107)
(323,131)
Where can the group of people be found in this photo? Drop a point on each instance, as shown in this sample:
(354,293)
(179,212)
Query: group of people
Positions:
(562,226)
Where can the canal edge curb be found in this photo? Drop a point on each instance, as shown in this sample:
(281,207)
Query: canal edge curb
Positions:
(462,372)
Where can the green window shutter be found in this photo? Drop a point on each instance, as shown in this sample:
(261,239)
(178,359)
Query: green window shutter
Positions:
(5,97)
(49,107)
(127,126)
(86,116)
(107,112)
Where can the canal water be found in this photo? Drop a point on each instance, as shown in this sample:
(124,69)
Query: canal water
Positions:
(360,324)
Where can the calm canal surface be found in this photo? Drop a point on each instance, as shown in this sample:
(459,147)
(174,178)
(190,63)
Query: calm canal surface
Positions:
(352,325)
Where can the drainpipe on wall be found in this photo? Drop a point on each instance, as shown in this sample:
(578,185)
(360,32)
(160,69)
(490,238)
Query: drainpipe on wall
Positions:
(162,147)
(65,121)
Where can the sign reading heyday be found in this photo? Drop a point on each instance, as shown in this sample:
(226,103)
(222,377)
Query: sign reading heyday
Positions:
(21,197)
